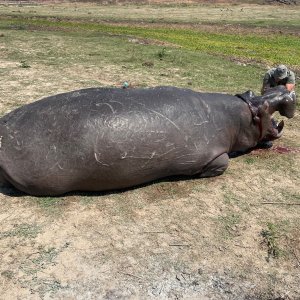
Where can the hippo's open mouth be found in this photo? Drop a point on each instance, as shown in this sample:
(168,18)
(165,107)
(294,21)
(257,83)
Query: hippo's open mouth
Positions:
(275,132)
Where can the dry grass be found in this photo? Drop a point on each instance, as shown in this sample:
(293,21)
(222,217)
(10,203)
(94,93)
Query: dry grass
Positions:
(198,238)
(192,14)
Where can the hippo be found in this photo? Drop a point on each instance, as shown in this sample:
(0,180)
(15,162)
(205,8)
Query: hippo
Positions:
(104,139)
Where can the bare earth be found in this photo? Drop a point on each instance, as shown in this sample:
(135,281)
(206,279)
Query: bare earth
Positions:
(195,239)
(182,239)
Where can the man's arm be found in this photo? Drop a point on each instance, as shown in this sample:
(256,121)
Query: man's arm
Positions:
(291,81)
(290,86)
(266,83)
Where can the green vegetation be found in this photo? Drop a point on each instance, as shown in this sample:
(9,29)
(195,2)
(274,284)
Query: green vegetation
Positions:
(50,205)
(37,262)
(94,55)
(24,64)
(249,160)
(228,224)
(22,231)
(170,13)
(271,49)
(271,239)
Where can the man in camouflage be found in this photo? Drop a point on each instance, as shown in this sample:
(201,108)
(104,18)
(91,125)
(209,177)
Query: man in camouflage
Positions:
(279,76)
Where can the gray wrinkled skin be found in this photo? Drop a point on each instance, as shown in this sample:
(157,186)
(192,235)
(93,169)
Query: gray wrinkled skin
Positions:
(105,139)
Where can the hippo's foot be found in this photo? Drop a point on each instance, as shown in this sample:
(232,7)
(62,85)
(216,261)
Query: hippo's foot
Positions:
(264,145)
(216,167)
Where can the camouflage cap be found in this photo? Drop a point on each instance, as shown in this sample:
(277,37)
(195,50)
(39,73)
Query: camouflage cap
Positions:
(281,72)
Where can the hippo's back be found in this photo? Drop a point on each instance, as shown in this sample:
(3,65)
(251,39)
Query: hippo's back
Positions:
(102,138)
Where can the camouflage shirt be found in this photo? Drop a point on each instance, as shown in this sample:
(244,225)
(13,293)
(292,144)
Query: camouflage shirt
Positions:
(270,80)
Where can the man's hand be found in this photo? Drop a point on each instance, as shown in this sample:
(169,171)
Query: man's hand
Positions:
(290,86)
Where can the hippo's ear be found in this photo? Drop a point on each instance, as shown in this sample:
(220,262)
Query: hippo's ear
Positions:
(263,109)
(246,96)
(262,112)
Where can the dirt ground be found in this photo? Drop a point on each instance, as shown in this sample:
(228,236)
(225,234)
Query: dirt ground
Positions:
(186,239)
(236,236)
(195,239)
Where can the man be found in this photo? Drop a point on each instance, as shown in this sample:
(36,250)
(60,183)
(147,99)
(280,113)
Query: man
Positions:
(279,76)
(274,77)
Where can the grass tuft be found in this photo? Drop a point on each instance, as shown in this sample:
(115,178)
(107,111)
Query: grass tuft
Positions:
(228,224)
(270,236)
(24,64)
(24,231)
(50,205)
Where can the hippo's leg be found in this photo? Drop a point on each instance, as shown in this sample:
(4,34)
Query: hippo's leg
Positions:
(216,167)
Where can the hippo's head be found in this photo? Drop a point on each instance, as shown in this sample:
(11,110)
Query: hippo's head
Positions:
(281,100)
(275,99)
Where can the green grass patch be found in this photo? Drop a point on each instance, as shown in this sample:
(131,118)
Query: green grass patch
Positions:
(95,53)
(22,231)
(46,202)
(37,262)
(271,49)
(53,206)
(285,164)
(249,160)
(232,200)
(272,235)
(228,224)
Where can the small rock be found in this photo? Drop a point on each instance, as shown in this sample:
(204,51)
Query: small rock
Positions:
(200,271)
